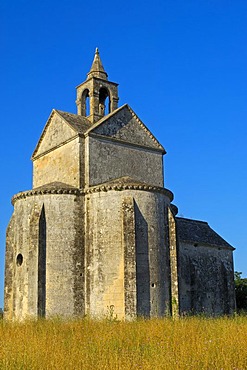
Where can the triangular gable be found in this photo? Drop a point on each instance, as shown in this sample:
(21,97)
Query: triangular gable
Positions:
(56,132)
(124,124)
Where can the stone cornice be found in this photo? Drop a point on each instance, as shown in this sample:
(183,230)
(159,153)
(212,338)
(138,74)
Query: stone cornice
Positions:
(91,190)
(129,186)
(56,147)
(96,78)
(124,143)
(29,193)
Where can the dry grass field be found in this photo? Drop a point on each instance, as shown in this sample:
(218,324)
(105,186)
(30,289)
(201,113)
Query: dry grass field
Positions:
(187,343)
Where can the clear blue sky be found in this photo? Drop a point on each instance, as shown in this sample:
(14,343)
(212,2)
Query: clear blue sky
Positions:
(181,66)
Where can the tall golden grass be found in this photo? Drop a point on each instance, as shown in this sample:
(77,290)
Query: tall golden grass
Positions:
(187,343)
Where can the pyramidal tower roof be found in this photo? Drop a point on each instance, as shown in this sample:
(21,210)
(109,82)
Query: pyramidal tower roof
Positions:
(97,69)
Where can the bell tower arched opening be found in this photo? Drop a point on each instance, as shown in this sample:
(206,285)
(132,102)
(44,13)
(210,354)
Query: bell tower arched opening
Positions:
(104,102)
(96,97)
(85,104)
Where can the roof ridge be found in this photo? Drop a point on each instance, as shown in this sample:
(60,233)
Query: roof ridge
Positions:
(78,124)
(191,220)
(63,111)
(199,232)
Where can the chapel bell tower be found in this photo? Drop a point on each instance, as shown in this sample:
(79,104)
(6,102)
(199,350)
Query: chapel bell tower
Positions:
(97,96)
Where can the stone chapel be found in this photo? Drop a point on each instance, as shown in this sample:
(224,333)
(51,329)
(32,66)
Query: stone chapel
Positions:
(98,233)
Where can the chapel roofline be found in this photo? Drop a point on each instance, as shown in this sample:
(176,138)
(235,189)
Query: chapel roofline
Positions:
(105,118)
(77,127)
(190,220)
(200,233)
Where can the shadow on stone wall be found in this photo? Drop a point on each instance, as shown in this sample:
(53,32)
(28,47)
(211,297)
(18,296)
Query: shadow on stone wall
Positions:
(142,265)
(42,265)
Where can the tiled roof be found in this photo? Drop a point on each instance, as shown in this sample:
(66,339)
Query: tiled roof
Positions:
(197,232)
(79,123)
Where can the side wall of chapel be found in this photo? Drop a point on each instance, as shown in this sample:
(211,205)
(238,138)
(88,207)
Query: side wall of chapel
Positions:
(206,283)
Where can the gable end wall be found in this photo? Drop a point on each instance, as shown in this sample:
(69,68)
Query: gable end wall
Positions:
(109,160)
(63,164)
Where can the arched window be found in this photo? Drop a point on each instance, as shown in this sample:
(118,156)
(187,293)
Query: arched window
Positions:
(104,102)
(85,105)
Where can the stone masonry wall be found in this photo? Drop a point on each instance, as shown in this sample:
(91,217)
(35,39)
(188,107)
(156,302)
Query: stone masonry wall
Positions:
(63,250)
(9,269)
(56,133)
(126,126)
(109,160)
(54,165)
(106,254)
(206,279)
